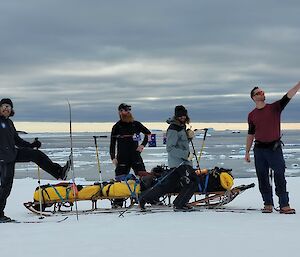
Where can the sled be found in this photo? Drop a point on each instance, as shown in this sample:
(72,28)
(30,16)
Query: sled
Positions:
(64,206)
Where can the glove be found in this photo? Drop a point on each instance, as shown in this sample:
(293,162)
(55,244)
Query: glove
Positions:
(36,144)
(190,134)
(190,157)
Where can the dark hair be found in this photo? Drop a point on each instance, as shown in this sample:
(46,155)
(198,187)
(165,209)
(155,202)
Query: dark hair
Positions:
(252,92)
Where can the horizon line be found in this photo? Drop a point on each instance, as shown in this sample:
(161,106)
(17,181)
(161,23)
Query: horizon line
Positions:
(57,126)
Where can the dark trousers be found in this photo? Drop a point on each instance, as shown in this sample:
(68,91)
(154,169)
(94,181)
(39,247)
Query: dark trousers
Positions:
(41,159)
(266,158)
(128,161)
(182,177)
(7,171)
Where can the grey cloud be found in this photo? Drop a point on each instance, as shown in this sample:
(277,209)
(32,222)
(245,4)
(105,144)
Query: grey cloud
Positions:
(153,54)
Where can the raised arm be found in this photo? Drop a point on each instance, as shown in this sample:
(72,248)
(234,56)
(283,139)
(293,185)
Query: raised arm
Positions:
(293,90)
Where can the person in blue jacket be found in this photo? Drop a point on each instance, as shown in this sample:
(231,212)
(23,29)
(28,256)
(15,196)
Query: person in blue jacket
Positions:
(181,173)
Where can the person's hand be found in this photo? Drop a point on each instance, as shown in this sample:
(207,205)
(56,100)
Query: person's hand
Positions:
(140,148)
(115,161)
(190,157)
(201,172)
(36,144)
(247,157)
(190,134)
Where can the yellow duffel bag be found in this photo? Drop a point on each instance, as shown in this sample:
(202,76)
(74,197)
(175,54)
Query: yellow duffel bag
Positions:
(89,192)
(64,192)
(50,193)
(121,189)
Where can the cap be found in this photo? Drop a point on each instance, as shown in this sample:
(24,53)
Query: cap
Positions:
(124,106)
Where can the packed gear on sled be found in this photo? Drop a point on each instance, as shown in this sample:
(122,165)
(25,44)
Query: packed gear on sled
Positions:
(216,191)
(167,182)
(216,179)
(62,194)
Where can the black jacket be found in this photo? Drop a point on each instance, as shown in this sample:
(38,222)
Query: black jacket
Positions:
(9,139)
(125,134)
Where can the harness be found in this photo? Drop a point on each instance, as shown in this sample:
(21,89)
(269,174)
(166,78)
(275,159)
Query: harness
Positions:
(203,188)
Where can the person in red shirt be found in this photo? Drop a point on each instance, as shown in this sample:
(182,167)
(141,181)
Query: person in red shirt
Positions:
(264,127)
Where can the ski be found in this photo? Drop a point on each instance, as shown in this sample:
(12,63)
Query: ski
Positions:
(135,210)
(217,209)
(34,221)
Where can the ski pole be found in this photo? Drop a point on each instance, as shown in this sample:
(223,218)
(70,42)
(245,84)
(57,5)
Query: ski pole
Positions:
(97,155)
(72,162)
(40,189)
(201,150)
(194,152)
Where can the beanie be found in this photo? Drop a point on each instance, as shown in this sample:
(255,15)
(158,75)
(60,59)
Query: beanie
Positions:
(180,111)
(7,101)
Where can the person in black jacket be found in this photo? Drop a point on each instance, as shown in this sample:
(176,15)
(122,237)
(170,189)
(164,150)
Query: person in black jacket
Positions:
(14,149)
(125,134)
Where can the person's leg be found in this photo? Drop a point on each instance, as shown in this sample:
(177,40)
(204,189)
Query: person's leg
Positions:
(41,159)
(262,172)
(138,165)
(165,184)
(7,171)
(188,186)
(121,171)
(277,163)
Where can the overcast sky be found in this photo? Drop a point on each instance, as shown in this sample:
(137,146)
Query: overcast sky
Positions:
(206,55)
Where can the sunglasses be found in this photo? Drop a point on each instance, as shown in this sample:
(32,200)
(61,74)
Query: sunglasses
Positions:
(126,110)
(259,93)
(7,106)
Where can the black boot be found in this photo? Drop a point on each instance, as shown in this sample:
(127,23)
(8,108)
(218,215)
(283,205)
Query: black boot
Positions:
(65,170)
(4,219)
(117,203)
(185,208)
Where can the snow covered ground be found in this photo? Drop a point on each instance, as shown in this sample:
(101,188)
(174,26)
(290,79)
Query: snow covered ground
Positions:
(206,233)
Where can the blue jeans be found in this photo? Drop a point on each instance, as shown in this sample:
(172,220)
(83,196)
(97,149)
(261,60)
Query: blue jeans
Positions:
(266,158)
